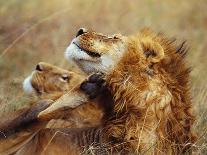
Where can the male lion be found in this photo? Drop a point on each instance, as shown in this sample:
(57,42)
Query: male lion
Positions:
(148,78)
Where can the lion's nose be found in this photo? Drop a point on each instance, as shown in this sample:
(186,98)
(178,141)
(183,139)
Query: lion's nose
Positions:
(81,31)
(38,67)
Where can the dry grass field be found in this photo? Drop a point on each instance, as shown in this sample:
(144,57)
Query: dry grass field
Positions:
(39,30)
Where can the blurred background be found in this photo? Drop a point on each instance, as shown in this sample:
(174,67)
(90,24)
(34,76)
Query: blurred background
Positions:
(39,30)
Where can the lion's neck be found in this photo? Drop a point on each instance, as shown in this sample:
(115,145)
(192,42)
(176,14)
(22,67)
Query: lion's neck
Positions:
(137,116)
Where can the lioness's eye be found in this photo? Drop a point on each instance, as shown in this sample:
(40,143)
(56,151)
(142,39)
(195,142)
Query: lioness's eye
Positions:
(65,77)
(117,36)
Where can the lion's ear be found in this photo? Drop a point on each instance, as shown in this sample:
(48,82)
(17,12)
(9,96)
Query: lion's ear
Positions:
(152,50)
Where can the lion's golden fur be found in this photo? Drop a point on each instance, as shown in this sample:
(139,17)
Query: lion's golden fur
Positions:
(149,81)
(152,103)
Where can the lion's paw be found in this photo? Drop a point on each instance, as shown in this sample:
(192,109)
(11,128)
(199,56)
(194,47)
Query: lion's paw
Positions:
(94,85)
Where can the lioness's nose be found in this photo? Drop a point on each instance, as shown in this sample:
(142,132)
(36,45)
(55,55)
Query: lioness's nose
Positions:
(38,67)
(81,31)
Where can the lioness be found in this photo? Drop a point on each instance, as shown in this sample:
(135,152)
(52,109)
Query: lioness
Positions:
(47,82)
(51,82)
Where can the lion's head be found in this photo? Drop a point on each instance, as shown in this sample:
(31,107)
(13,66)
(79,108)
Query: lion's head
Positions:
(48,79)
(94,51)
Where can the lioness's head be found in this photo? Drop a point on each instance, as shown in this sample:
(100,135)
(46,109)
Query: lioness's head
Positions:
(48,79)
(94,51)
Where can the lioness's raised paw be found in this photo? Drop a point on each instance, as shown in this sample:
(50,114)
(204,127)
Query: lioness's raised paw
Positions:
(94,85)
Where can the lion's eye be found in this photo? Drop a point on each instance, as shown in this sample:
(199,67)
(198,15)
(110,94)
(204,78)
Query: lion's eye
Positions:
(65,77)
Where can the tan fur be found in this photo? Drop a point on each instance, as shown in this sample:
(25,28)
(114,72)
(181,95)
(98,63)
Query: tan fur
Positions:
(21,129)
(48,84)
(149,84)
(157,107)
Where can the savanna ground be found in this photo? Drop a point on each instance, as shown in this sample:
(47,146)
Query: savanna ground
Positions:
(35,30)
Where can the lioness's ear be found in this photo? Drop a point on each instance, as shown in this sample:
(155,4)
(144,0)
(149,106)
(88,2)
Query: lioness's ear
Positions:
(152,50)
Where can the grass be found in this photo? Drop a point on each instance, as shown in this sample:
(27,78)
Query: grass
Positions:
(33,31)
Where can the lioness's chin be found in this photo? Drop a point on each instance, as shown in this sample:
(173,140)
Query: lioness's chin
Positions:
(27,86)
